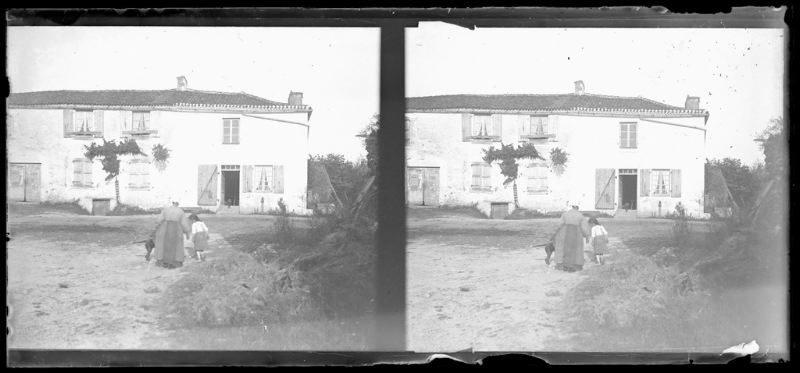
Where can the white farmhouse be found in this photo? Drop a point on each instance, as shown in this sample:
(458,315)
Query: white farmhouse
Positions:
(231,152)
(626,155)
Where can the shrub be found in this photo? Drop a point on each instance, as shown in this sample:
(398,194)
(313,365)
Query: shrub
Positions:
(522,213)
(122,209)
(73,207)
(680,229)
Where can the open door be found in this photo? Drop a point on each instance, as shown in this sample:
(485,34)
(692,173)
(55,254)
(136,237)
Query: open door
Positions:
(207,185)
(604,188)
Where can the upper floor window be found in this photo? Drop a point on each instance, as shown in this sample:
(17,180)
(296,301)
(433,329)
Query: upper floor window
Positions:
(627,135)
(140,120)
(536,126)
(481,176)
(82,172)
(230,131)
(482,126)
(83,122)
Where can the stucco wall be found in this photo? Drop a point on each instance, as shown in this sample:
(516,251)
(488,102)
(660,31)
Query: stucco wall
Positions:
(592,142)
(36,136)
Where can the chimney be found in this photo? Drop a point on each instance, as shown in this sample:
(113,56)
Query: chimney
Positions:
(295,98)
(692,103)
(182,83)
(579,87)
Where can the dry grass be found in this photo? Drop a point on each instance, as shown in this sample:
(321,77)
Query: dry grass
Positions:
(235,289)
(660,297)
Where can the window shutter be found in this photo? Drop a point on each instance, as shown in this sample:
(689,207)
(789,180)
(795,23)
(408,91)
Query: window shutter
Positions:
(67,122)
(155,120)
(277,178)
(248,179)
(644,182)
(466,126)
(675,181)
(632,135)
(497,125)
(99,116)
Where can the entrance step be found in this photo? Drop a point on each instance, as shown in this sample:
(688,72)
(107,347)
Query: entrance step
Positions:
(225,210)
(622,214)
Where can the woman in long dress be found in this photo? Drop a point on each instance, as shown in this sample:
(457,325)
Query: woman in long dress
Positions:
(173,226)
(574,229)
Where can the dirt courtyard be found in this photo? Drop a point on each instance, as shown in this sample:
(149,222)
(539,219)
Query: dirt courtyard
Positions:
(79,282)
(477,283)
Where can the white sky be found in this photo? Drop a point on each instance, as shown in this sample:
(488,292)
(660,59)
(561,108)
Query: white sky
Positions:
(335,68)
(737,73)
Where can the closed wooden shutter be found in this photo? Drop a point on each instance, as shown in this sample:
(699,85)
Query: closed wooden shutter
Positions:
(207,185)
(604,188)
(497,125)
(466,126)
(99,116)
(278,178)
(155,120)
(247,175)
(675,183)
(68,122)
(644,183)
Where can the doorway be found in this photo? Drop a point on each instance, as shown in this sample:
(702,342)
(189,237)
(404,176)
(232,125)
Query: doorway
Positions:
(627,189)
(24,182)
(230,185)
(422,186)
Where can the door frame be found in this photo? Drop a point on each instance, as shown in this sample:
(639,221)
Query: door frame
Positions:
(628,172)
(225,169)
(25,179)
(423,181)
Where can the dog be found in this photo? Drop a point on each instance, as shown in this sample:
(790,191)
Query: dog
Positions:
(549,249)
(149,245)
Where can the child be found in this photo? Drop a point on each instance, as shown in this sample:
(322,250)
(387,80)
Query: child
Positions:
(199,237)
(599,239)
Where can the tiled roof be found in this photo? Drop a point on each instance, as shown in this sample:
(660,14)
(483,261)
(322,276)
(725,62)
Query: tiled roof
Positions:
(156,98)
(544,102)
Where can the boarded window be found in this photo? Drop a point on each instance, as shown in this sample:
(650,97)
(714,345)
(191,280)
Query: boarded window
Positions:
(537,179)
(230,131)
(139,173)
(627,135)
(82,173)
(660,183)
(481,176)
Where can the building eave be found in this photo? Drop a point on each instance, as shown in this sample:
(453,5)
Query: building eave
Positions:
(575,111)
(179,108)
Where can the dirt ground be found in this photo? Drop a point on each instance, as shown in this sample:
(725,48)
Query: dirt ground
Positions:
(478,284)
(77,281)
